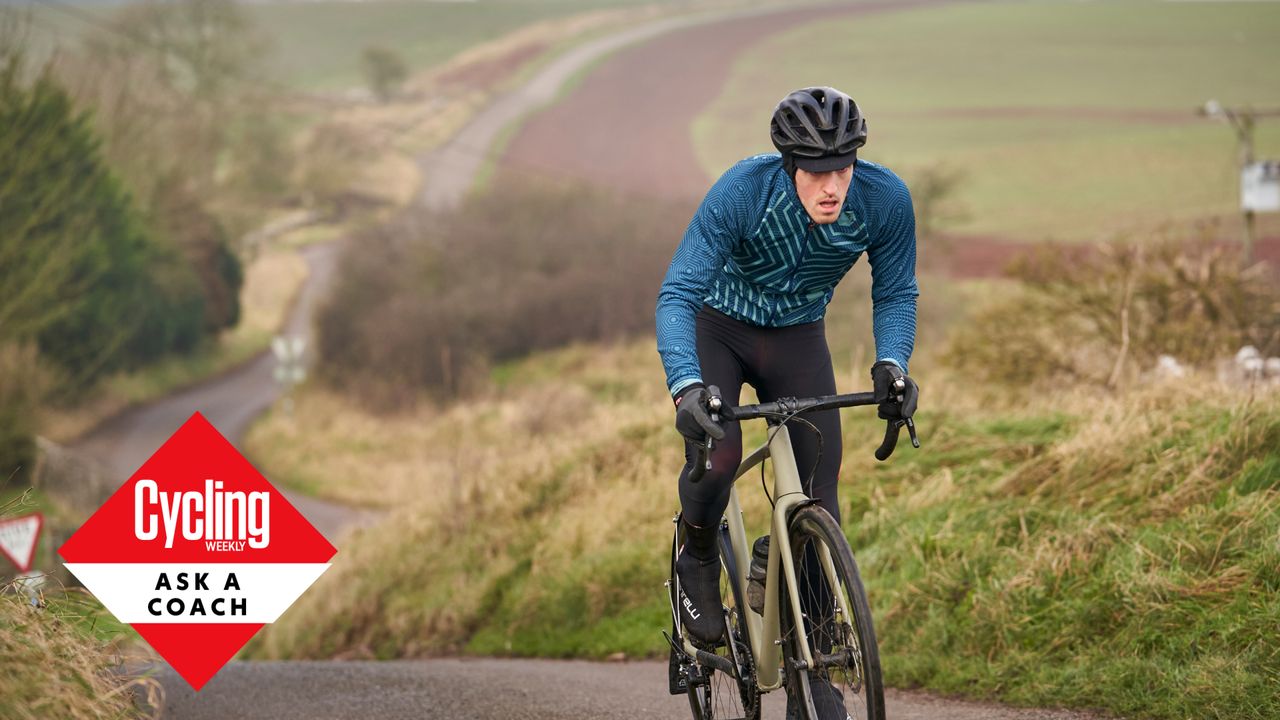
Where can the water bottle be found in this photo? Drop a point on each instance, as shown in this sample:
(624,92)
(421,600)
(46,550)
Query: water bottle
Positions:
(756,574)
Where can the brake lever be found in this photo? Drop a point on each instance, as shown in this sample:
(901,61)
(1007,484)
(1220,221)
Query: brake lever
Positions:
(890,439)
(714,404)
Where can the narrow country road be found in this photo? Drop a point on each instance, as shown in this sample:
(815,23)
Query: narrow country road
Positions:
(230,402)
(491,689)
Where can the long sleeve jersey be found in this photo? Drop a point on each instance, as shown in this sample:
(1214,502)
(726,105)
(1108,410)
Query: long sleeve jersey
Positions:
(752,252)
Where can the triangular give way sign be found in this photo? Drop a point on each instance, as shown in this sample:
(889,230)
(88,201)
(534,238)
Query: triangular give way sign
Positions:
(18,538)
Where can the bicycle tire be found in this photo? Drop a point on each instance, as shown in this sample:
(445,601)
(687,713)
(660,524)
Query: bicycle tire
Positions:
(714,694)
(840,635)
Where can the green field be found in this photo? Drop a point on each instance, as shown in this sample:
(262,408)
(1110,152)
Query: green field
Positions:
(1066,120)
(317,45)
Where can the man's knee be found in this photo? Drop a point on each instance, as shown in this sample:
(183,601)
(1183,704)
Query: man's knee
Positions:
(724,463)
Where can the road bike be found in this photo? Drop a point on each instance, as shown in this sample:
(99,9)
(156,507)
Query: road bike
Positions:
(813,632)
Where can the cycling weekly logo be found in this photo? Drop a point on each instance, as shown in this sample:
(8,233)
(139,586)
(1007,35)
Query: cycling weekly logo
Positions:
(197,551)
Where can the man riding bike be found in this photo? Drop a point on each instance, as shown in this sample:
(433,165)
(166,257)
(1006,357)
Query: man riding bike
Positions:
(744,300)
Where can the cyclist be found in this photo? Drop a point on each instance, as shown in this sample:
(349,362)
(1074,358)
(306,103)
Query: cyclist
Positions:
(744,300)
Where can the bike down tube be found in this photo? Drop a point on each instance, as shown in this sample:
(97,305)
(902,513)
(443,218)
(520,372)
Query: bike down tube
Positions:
(788,494)
(740,541)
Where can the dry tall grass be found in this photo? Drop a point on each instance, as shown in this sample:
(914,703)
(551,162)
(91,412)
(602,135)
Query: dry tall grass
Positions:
(1104,314)
(50,669)
(58,661)
(540,469)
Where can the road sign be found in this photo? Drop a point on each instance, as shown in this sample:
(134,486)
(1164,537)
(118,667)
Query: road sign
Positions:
(1260,186)
(290,368)
(18,538)
(288,349)
(197,551)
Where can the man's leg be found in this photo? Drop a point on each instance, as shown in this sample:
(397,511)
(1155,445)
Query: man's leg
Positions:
(702,503)
(797,363)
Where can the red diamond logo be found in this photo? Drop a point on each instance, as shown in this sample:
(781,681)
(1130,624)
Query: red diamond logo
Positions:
(197,551)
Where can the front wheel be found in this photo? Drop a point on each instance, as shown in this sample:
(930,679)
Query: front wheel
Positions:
(836,619)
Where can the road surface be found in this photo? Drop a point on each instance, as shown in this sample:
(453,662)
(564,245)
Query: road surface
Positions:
(493,689)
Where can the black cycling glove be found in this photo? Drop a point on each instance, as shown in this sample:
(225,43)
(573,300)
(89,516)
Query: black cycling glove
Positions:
(692,419)
(894,404)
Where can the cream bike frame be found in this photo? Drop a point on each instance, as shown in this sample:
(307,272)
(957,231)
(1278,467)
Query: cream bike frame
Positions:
(763,630)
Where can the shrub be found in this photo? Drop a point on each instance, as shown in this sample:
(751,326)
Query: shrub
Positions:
(1100,314)
(384,70)
(430,300)
(21,383)
(81,274)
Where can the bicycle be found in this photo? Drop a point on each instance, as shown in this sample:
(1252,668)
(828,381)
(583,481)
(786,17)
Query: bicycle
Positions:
(806,639)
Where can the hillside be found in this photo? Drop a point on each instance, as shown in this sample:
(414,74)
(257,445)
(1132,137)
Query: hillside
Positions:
(1114,551)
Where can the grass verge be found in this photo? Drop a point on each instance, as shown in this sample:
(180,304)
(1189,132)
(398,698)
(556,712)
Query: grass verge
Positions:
(1116,552)
(1101,551)
(60,653)
(62,659)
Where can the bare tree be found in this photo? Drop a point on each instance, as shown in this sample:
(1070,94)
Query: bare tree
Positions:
(384,70)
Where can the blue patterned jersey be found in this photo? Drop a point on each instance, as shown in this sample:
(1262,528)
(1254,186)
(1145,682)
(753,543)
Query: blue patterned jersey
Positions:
(752,252)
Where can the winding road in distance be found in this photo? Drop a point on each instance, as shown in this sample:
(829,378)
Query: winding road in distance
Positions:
(646,59)
(229,402)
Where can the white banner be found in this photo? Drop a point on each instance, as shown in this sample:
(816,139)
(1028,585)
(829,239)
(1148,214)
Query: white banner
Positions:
(197,593)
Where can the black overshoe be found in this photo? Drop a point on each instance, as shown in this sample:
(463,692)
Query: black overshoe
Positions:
(701,611)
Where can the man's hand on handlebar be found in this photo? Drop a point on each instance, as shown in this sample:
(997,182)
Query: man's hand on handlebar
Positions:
(897,396)
(896,393)
(699,412)
(693,419)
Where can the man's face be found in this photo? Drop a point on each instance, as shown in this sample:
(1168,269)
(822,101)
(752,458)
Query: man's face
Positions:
(822,194)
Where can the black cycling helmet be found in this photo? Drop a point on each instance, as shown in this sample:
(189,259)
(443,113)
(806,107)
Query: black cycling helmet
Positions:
(818,129)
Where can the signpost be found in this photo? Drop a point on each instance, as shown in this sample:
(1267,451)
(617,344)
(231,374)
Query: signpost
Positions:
(1259,181)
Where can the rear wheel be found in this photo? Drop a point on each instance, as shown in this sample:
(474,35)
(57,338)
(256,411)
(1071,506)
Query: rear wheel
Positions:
(836,620)
(715,694)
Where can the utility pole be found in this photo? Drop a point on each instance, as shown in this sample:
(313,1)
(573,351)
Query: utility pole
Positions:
(1259,182)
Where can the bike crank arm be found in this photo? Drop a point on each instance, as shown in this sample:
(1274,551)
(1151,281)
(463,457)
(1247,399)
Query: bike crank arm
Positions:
(713,660)
(702,657)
